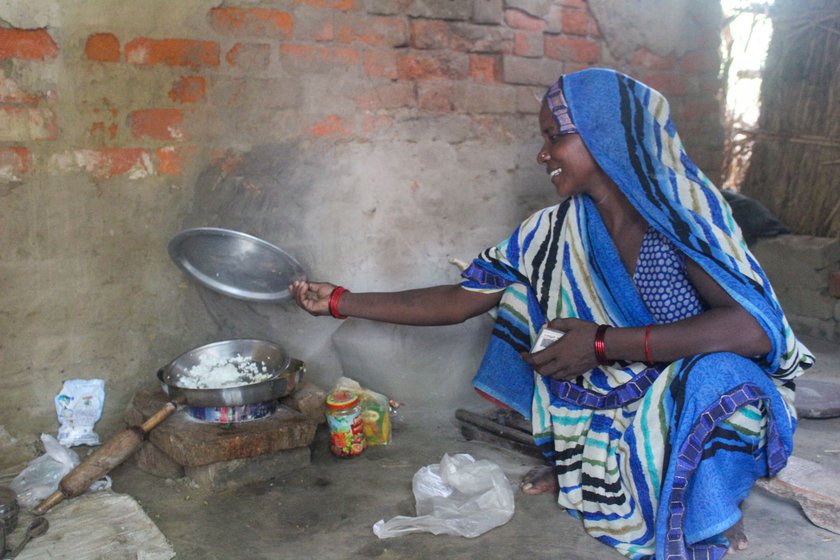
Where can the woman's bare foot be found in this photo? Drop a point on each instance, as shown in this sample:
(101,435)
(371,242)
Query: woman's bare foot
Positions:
(539,480)
(736,536)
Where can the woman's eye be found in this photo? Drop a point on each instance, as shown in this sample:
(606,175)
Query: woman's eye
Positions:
(554,138)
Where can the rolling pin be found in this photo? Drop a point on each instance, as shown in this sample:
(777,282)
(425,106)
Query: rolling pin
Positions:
(104,460)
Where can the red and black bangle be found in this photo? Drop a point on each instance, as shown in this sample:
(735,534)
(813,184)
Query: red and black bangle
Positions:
(647,345)
(600,349)
(335,296)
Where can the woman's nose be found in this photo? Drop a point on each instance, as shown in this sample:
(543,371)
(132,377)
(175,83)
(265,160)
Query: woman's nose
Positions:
(542,156)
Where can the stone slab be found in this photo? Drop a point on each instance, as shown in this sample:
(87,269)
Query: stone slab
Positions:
(817,399)
(193,443)
(94,526)
(226,475)
(813,486)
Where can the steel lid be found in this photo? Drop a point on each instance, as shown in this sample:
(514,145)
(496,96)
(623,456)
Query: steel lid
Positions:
(235,264)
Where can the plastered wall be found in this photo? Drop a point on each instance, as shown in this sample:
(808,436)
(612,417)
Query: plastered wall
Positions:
(374,140)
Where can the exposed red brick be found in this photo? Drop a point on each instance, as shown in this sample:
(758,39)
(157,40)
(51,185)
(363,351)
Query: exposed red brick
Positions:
(331,125)
(700,110)
(575,22)
(643,58)
(14,162)
(340,5)
(520,20)
(160,124)
(528,43)
(667,82)
(174,52)
(103,47)
(429,34)
(188,89)
(391,96)
(171,160)
(308,54)
(834,284)
(435,96)
(481,39)
(381,64)
(111,162)
(485,68)
(252,22)
(572,49)
(250,56)
(377,31)
(29,44)
(700,61)
(106,163)
(426,66)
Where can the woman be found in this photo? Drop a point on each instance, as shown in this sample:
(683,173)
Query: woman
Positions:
(672,388)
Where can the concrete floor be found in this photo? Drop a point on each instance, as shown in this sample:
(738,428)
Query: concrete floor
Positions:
(326,511)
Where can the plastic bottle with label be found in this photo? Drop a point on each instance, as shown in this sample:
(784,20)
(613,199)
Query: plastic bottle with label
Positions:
(344,418)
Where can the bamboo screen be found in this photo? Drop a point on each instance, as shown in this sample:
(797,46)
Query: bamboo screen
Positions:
(795,165)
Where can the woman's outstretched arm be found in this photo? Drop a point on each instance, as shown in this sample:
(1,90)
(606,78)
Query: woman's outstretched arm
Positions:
(437,305)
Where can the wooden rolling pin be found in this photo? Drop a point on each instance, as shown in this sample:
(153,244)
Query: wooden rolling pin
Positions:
(102,461)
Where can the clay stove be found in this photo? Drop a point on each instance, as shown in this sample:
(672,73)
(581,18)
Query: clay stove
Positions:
(222,455)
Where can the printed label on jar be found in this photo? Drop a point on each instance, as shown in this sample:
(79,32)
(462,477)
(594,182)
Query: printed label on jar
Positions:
(347,438)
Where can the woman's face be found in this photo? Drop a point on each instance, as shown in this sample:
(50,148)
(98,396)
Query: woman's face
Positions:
(567,161)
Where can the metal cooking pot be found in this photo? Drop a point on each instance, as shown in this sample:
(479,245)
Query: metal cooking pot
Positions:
(285,374)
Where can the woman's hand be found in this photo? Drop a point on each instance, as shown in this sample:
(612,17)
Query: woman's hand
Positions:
(313,297)
(570,356)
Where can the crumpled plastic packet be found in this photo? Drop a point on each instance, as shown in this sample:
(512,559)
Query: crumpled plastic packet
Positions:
(41,476)
(460,496)
(79,406)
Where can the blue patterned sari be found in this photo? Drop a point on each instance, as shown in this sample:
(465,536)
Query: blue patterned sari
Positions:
(653,460)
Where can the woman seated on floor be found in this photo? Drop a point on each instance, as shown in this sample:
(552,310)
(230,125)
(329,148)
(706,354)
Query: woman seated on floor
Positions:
(671,391)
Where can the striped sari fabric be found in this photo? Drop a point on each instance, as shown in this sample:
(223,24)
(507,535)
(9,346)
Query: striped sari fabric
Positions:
(653,460)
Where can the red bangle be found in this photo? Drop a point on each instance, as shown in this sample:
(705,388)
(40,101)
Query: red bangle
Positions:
(335,296)
(600,349)
(647,345)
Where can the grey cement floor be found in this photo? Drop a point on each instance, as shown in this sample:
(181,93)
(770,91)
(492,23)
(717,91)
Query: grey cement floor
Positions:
(326,510)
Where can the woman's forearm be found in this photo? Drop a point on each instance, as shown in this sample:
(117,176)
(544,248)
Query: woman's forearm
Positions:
(437,305)
(715,330)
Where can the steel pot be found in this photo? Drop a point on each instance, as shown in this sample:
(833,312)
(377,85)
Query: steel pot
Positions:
(285,374)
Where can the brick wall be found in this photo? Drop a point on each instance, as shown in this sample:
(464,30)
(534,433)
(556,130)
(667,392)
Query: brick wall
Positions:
(372,139)
(432,57)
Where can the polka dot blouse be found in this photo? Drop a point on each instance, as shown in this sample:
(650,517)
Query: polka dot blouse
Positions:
(662,281)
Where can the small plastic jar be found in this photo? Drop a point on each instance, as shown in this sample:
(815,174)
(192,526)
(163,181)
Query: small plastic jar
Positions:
(344,418)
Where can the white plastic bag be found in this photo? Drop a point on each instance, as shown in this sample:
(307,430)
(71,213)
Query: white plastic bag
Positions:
(79,407)
(459,496)
(41,476)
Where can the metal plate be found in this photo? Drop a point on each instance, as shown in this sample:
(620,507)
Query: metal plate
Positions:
(235,264)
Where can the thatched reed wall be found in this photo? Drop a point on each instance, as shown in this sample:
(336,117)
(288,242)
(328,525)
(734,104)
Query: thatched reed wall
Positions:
(795,169)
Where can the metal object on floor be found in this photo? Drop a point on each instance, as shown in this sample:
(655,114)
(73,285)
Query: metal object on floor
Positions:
(235,264)
(504,428)
(37,528)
